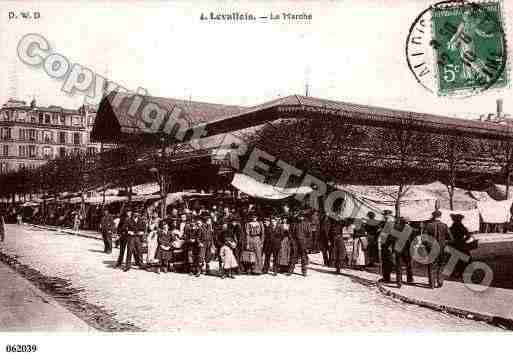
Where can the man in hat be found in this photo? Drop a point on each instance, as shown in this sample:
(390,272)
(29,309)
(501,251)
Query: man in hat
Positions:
(325,239)
(123,235)
(461,237)
(300,236)
(194,246)
(389,252)
(336,233)
(255,234)
(439,232)
(207,240)
(267,247)
(136,227)
(315,228)
(371,226)
(107,228)
(2,227)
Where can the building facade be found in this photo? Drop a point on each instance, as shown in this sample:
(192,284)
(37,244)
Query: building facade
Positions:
(31,135)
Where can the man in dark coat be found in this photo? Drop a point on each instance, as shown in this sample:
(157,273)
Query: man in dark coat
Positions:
(2,227)
(300,236)
(439,232)
(393,257)
(272,246)
(136,228)
(123,235)
(338,255)
(207,239)
(325,239)
(371,226)
(107,227)
(192,235)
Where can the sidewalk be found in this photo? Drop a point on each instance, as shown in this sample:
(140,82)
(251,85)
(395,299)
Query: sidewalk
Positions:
(493,305)
(26,308)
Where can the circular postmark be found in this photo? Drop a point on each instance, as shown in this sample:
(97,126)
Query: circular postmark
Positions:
(458,48)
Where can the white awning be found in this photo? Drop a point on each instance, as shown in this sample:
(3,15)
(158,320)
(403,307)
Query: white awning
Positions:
(258,189)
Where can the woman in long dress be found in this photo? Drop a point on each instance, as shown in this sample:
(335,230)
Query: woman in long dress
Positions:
(285,247)
(152,240)
(359,246)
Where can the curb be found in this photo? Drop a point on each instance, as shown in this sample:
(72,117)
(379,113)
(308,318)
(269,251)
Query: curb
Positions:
(490,319)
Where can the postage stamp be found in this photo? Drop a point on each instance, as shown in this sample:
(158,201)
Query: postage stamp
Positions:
(458,48)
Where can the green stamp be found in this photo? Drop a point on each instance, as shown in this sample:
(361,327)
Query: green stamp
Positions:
(469,47)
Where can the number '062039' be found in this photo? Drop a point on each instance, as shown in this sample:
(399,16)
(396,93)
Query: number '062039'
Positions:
(20,348)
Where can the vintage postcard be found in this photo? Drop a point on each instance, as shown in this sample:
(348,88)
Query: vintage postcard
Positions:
(254,167)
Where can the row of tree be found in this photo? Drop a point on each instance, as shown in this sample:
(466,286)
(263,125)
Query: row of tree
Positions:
(343,153)
(329,149)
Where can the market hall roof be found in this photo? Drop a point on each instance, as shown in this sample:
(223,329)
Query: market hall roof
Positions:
(114,123)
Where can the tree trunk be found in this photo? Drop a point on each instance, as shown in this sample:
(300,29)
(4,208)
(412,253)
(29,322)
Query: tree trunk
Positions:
(508,180)
(398,201)
(451,197)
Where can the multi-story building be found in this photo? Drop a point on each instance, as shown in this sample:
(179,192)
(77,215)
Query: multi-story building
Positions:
(32,135)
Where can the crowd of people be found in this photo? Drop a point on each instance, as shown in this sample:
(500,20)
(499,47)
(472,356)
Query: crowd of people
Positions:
(252,240)
(246,241)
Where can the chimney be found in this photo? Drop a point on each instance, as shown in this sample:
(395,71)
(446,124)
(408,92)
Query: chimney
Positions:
(499,108)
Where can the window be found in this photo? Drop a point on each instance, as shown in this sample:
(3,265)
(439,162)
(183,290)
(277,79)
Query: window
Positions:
(76,138)
(6,134)
(47,136)
(32,136)
(22,134)
(55,118)
(41,117)
(47,119)
(77,121)
(62,151)
(32,151)
(90,120)
(5,150)
(22,151)
(62,137)
(62,120)
(47,152)
(76,151)
(91,151)
(33,118)
(22,116)
(21,166)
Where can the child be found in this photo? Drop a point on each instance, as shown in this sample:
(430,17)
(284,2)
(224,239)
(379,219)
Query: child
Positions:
(228,260)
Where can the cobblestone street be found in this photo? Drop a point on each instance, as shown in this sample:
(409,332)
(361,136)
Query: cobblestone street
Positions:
(173,302)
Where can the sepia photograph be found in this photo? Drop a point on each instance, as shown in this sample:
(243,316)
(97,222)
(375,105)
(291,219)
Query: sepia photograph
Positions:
(289,170)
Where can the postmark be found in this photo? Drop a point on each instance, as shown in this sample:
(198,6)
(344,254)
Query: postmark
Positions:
(458,48)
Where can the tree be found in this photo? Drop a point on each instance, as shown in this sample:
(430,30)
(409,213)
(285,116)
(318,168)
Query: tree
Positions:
(406,155)
(323,147)
(501,152)
(455,154)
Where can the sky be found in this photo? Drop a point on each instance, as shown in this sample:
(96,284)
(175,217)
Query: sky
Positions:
(351,51)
